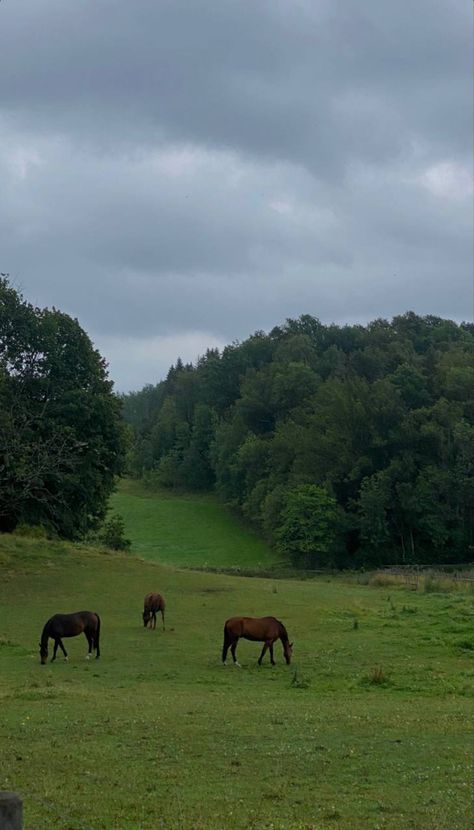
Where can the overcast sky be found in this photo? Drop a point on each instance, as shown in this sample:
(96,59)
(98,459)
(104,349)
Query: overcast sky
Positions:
(179,173)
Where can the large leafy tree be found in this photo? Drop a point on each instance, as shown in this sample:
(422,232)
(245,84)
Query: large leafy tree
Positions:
(310,522)
(61,435)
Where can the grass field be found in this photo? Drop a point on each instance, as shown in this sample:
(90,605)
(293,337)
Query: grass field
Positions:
(370,727)
(189,531)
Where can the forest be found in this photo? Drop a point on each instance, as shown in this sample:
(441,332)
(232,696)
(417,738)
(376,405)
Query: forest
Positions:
(345,446)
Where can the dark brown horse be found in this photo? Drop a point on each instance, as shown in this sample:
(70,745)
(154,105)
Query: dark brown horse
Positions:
(70,625)
(152,604)
(260,629)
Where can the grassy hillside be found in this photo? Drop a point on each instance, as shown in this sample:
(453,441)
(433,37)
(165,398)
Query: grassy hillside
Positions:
(187,530)
(158,734)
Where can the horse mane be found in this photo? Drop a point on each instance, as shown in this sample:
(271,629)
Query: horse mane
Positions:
(283,632)
(45,634)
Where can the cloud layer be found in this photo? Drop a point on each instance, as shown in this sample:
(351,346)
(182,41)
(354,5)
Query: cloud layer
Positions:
(178,174)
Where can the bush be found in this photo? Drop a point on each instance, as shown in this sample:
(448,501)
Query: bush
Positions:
(31,531)
(377,677)
(386,580)
(112,534)
(300,682)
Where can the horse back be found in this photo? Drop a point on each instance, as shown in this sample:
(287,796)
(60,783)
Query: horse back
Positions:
(154,602)
(68,625)
(253,628)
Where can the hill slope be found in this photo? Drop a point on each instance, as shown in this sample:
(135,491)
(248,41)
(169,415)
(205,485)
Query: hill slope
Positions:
(187,530)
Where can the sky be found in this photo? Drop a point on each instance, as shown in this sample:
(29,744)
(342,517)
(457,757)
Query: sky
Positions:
(178,174)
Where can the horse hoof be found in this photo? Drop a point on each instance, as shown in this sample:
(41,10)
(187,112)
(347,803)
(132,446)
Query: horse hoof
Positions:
(88,657)
(237,664)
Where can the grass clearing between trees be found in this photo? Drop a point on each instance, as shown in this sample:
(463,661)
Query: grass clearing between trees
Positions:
(187,530)
(370,727)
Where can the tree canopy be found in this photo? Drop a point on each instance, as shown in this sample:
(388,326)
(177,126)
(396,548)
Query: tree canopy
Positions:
(377,419)
(61,433)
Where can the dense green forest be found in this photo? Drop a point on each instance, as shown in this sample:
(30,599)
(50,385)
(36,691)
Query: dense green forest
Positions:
(62,438)
(345,446)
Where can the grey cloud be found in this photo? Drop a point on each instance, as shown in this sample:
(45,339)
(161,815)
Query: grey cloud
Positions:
(173,171)
(269,78)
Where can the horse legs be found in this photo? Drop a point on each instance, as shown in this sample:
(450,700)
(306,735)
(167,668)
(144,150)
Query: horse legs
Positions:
(232,651)
(163,617)
(268,645)
(225,647)
(96,636)
(63,649)
(154,620)
(90,641)
(265,646)
(58,643)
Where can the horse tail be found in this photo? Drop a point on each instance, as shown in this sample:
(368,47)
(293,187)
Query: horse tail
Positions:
(227,642)
(97,636)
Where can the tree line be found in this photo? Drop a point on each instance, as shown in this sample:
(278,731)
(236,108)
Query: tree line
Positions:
(344,445)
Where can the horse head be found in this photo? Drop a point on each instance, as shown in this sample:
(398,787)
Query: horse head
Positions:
(288,651)
(146,617)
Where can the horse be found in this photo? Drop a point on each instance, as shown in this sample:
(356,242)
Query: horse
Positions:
(261,629)
(70,625)
(152,604)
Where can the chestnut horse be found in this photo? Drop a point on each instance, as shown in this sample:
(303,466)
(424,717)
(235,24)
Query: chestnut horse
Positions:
(152,604)
(70,625)
(261,629)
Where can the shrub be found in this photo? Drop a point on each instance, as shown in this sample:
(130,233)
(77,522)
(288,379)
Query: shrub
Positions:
(300,682)
(377,677)
(112,534)
(467,645)
(385,580)
(31,531)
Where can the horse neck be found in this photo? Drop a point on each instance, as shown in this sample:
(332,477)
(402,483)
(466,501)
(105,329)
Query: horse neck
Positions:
(45,635)
(283,634)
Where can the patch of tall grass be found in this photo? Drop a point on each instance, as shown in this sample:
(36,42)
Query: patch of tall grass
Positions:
(426,582)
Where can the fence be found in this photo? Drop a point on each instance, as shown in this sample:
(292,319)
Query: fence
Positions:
(412,575)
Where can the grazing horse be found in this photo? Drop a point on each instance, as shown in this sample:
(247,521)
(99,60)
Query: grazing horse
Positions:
(152,604)
(70,625)
(261,629)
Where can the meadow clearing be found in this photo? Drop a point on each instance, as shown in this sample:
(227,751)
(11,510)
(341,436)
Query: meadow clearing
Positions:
(370,727)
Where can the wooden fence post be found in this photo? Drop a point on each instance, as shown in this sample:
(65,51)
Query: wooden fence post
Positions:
(11,811)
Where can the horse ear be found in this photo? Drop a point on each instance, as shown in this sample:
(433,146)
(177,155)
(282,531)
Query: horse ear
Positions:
(291,645)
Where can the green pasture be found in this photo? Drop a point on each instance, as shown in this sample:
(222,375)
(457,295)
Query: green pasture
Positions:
(187,530)
(158,734)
